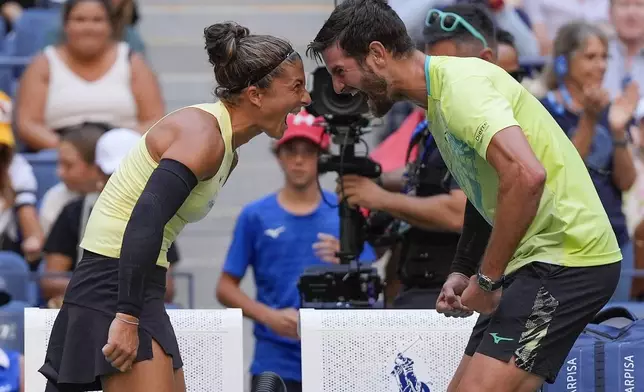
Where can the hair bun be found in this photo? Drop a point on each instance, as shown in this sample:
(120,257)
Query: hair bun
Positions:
(222,40)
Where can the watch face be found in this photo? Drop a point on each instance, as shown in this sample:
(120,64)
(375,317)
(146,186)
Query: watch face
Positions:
(485,283)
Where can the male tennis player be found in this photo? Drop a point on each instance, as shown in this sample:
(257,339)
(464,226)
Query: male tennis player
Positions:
(551,260)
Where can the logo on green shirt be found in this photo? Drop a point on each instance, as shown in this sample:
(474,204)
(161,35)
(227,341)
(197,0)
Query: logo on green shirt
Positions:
(481,130)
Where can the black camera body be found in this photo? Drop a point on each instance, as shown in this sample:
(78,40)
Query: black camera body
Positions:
(348,285)
(343,109)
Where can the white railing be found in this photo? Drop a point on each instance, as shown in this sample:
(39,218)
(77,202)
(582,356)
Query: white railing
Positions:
(210,342)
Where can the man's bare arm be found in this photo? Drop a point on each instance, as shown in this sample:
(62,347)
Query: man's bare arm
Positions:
(522,180)
(231,295)
(439,212)
(393,181)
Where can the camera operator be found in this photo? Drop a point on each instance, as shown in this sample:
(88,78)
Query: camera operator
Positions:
(279,236)
(425,196)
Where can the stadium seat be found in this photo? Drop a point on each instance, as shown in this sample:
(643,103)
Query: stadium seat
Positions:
(14,306)
(35,291)
(44,165)
(49,3)
(31,31)
(372,350)
(15,272)
(8,83)
(210,342)
(10,261)
(7,80)
(12,329)
(3,34)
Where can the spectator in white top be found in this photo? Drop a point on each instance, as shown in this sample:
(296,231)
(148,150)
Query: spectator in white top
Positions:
(76,168)
(125,16)
(626,50)
(547,16)
(89,78)
(61,249)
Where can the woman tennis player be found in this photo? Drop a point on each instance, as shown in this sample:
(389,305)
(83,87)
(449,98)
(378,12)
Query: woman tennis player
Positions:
(112,331)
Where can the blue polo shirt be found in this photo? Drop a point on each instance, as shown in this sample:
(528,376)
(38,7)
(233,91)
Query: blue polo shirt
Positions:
(599,162)
(279,247)
(9,370)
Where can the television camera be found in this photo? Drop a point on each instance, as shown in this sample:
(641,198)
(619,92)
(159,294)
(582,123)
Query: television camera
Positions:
(349,284)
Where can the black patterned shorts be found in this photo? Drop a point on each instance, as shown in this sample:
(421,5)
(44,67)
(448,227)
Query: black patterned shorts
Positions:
(543,310)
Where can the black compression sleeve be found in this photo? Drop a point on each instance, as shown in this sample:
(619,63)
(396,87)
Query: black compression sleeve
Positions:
(473,241)
(167,189)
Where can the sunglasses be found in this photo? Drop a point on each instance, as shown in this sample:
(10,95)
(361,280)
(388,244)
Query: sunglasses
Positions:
(450,21)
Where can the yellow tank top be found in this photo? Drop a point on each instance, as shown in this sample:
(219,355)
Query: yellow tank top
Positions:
(110,215)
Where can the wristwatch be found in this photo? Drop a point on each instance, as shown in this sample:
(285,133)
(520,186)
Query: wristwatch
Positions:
(487,284)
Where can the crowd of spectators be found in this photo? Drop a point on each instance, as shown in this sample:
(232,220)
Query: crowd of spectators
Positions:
(85,97)
(88,93)
(583,60)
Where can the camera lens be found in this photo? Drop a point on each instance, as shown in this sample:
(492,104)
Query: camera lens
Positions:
(327,102)
(343,104)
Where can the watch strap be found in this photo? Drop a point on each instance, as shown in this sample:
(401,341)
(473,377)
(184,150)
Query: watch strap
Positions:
(487,284)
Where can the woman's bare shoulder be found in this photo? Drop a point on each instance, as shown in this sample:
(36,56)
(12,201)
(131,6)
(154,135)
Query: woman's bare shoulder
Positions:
(39,64)
(190,131)
(191,122)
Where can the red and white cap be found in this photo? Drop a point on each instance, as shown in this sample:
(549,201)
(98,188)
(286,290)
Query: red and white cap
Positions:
(305,126)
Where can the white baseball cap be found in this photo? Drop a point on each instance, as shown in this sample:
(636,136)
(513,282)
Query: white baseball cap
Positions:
(113,146)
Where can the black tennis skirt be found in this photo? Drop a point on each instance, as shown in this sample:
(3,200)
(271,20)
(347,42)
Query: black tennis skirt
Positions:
(74,360)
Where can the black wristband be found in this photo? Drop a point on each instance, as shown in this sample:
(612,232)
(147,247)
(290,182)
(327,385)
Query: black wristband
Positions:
(166,190)
(471,246)
(462,267)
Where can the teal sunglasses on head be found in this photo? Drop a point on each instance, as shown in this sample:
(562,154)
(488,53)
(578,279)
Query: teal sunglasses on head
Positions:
(449,21)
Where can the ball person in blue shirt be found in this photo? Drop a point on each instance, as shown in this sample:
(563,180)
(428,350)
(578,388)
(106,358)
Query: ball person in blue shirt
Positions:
(279,236)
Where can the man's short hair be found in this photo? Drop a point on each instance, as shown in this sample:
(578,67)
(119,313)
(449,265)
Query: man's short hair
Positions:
(354,24)
(505,38)
(475,15)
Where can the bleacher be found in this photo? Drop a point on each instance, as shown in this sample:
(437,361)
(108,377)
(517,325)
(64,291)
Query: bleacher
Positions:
(17,49)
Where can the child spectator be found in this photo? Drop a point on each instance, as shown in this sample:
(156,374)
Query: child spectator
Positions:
(279,236)
(76,169)
(61,249)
